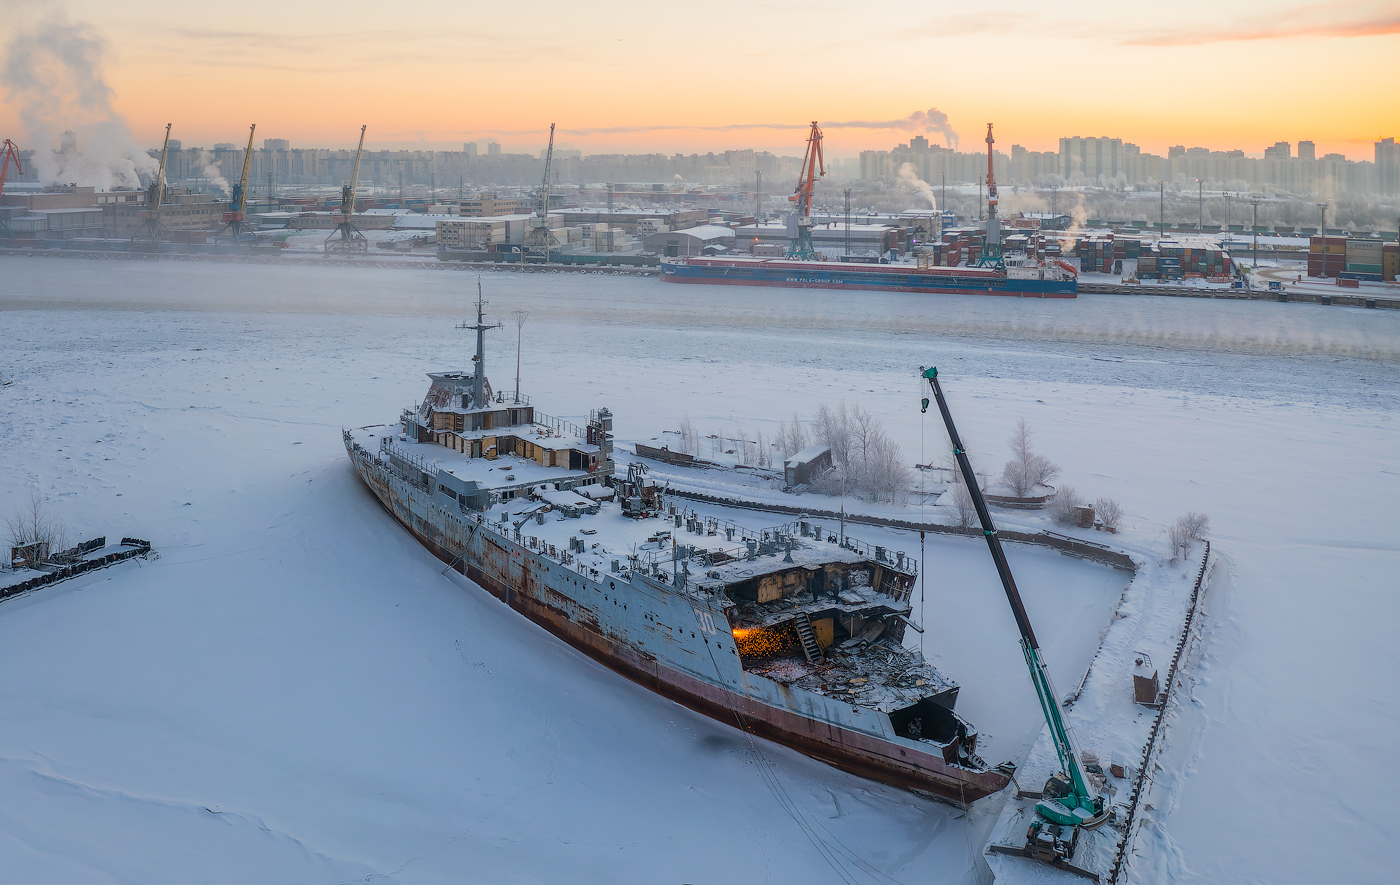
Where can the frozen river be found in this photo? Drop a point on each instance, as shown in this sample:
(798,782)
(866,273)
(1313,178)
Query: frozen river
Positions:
(294,660)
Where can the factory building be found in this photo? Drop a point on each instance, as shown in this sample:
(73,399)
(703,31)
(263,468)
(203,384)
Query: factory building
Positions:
(490,205)
(632,219)
(691,241)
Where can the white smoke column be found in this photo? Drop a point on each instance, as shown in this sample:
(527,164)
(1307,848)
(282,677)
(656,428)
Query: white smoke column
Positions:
(934,120)
(53,75)
(909,179)
(211,172)
(1078,220)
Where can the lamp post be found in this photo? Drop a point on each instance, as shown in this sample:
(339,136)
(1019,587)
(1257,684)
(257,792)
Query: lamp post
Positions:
(520,317)
(1255,227)
(1323,206)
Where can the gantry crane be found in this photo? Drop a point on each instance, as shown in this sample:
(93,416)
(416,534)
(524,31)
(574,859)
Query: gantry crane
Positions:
(1067,804)
(799,224)
(350,238)
(151,228)
(8,151)
(991,245)
(234,228)
(541,238)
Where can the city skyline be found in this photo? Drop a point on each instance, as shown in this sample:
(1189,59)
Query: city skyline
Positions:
(618,79)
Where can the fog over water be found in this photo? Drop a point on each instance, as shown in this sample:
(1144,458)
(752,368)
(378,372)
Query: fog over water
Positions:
(1208,346)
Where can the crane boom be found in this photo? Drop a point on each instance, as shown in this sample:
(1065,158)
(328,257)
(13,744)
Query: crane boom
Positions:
(158,189)
(1081,808)
(355,175)
(241,197)
(544,183)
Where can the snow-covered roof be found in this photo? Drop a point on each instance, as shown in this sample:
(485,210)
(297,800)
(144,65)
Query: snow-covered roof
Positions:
(807,455)
(419,221)
(703,232)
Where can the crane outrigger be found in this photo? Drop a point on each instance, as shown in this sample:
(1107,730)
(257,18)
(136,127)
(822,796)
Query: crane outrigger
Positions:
(1067,804)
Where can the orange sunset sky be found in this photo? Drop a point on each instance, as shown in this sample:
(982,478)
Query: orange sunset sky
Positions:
(674,76)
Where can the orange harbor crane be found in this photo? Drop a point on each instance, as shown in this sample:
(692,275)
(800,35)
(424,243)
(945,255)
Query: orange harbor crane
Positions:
(9,150)
(800,221)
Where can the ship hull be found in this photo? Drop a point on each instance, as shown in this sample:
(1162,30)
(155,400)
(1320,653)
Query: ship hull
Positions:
(519,578)
(886,278)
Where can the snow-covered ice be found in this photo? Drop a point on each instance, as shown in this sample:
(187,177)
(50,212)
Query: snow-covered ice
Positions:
(294,692)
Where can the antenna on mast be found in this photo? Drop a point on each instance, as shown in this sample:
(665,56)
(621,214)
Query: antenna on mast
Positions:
(479,360)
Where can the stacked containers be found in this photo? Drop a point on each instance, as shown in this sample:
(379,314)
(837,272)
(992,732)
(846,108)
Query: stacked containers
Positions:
(1147,264)
(1364,258)
(1096,254)
(1390,262)
(1326,256)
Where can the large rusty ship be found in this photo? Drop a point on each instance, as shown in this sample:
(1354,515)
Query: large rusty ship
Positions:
(793,633)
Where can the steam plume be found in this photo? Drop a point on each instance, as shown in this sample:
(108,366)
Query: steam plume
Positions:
(909,179)
(53,75)
(210,170)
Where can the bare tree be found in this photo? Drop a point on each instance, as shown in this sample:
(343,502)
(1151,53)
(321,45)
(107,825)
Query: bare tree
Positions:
(886,476)
(690,437)
(1195,525)
(1026,469)
(1064,506)
(832,428)
(1187,528)
(791,438)
(865,431)
(33,524)
(1109,513)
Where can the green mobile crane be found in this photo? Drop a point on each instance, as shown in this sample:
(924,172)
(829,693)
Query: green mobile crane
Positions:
(1067,804)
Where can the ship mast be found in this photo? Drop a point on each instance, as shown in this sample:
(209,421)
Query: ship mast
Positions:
(480,327)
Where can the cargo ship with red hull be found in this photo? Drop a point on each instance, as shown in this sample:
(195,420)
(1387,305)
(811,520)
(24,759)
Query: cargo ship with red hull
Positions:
(1025,280)
(793,633)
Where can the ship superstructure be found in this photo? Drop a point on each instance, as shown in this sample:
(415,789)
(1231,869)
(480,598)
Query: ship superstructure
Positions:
(794,633)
